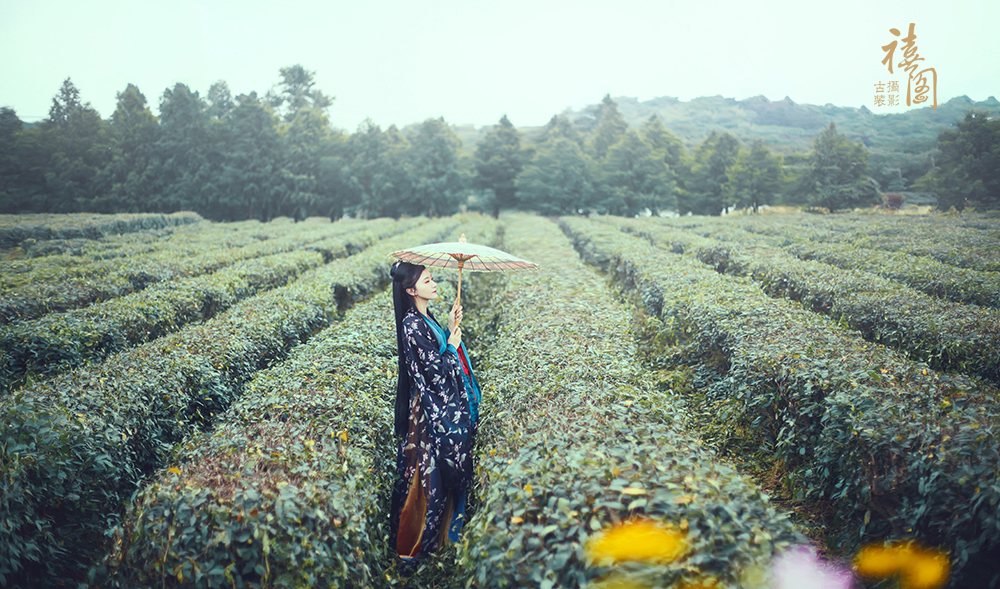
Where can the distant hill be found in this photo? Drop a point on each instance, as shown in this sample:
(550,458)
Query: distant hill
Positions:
(903,141)
(790,127)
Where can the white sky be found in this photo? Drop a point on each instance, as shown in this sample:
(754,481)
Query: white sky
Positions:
(471,61)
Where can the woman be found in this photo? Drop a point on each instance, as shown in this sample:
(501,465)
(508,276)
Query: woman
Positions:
(437,401)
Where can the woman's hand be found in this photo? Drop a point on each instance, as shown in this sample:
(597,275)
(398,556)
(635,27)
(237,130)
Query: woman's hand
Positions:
(454,316)
(455,339)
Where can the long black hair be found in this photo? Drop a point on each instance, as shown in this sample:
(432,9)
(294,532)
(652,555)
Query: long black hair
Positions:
(404,276)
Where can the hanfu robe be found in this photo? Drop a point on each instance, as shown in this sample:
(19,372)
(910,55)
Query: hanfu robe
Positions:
(434,460)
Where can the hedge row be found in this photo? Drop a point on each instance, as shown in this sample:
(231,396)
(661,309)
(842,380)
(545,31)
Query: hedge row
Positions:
(58,342)
(923,273)
(946,335)
(898,450)
(936,237)
(95,258)
(58,283)
(576,437)
(149,240)
(75,446)
(15,229)
(291,488)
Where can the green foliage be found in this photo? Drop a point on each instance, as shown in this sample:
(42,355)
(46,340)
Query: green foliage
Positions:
(967,171)
(633,177)
(898,450)
(295,93)
(837,179)
(570,421)
(63,341)
(947,336)
(127,412)
(558,181)
(560,127)
(307,451)
(709,177)
(923,273)
(124,183)
(15,229)
(438,180)
(754,178)
(611,126)
(499,160)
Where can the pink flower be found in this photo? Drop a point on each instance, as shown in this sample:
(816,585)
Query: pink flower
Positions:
(799,567)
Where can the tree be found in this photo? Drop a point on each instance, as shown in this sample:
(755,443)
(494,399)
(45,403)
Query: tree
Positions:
(558,181)
(611,126)
(295,91)
(499,160)
(64,105)
(251,180)
(634,178)
(663,141)
(710,174)
(77,142)
(837,177)
(376,172)
(184,146)
(10,172)
(125,181)
(968,170)
(559,126)
(438,181)
(754,177)
(220,100)
(308,145)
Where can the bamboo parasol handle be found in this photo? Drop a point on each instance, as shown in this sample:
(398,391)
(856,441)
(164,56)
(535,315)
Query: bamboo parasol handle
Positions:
(458,298)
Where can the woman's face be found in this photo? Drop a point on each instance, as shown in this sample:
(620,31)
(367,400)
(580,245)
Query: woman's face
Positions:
(425,288)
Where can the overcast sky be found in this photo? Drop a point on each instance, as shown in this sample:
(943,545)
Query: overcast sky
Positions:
(470,61)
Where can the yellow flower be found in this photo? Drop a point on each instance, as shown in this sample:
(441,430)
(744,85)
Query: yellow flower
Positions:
(918,568)
(527,489)
(881,561)
(638,539)
(927,570)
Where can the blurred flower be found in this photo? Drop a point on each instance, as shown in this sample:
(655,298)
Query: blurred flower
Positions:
(799,568)
(618,582)
(918,568)
(638,539)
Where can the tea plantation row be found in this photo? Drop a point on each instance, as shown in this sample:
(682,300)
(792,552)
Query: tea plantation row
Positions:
(898,449)
(923,273)
(61,341)
(33,287)
(76,445)
(15,229)
(578,437)
(948,336)
(291,487)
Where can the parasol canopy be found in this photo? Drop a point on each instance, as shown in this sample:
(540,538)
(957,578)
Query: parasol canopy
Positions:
(462,255)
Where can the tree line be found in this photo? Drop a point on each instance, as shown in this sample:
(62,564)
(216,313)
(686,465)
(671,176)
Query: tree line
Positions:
(259,157)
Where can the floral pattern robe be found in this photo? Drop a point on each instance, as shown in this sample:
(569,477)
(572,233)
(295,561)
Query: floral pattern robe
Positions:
(434,460)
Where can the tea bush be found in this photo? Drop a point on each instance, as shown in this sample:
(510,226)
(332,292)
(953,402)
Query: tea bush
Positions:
(292,486)
(899,450)
(63,341)
(946,335)
(30,289)
(77,445)
(576,437)
(14,229)
(920,272)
